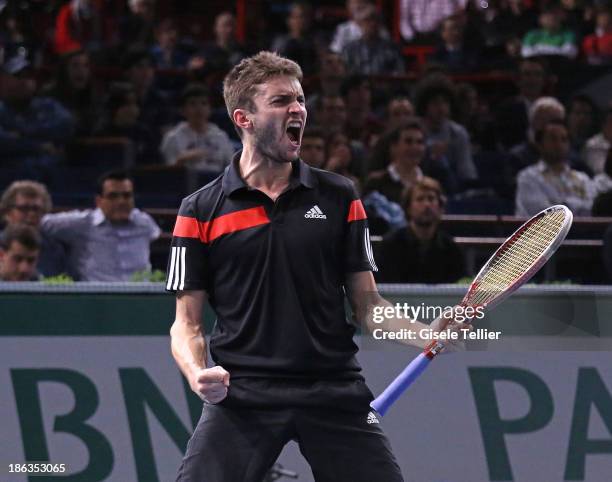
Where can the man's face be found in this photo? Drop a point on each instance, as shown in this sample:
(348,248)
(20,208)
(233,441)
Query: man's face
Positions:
(554,145)
(25,210)
(279,120)
(332,66)
(369,26)
(117,200)
(544,115)
(79,71)
(424,209)
(580,118)
(196,109)
(531,79)
(359,97)
(438,109)
(298,20)
(333,112)
(400,110)
(141,75)
(451,32)
(409,148)
(225,25)
(18,263)
(312,151)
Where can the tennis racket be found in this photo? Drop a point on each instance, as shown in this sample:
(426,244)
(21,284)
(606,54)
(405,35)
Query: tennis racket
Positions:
(513,264)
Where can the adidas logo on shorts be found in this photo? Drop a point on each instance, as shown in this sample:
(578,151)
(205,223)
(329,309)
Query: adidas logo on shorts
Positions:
(372,418)
(315,213)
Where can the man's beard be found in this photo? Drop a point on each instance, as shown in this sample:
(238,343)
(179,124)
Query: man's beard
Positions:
(267,144)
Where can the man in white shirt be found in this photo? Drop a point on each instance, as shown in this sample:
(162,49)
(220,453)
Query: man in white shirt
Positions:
(597,147)
(551,181)
(197,143)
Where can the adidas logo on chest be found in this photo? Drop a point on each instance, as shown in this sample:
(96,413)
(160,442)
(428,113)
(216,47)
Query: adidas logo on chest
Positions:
(315,213)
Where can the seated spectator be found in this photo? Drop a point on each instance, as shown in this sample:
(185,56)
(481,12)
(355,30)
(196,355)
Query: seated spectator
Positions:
(582,122)
(597,147)
(348,31)
(19,250)
(224,51)
(331,118)
(167,53)
(78,26)
(371,54)
(602,206)
(25,203)
(446,140)
(453,52)
(339,157)
(420,252)
(75,90)
(196,142)
(418,18)
(500,20)
(399,111)
(312,147)
(541,112)
(17,35)
(121,120)
(111,242)
(136,29)
(597,47)
(299,44)
(551,181)
(472,112)
(361,122)
(33,129)
(512,116)
(332,72)
(404,149)
(552,38)
(330,113)
(155,111)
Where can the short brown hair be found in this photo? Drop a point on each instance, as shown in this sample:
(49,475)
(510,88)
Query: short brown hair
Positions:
(29,189)
(424,184)
(25,235)
(239,85)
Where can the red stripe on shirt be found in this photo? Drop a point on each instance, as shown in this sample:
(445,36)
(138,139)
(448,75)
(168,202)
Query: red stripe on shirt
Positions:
(230,223)
(187,227)
(356,211)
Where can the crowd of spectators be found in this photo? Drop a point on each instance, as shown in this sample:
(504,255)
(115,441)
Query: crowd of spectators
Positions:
(497,107)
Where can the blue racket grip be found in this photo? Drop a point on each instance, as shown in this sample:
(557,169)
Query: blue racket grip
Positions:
(398,386)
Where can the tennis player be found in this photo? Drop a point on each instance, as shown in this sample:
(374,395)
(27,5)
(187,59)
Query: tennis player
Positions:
(274,246)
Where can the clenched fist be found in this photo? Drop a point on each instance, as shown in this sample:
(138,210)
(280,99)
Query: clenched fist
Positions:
(210,384)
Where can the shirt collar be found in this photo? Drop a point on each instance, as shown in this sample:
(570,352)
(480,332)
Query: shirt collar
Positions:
(543,167)
(301,173)
(98,217)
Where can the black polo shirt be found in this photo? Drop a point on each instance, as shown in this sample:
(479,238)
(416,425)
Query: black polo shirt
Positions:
(275,271)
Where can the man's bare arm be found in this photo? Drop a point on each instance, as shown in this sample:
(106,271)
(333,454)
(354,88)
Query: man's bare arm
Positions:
(188,347)
(363,295)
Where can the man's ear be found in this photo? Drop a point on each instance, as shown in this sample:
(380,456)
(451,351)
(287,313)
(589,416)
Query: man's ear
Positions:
(241,119)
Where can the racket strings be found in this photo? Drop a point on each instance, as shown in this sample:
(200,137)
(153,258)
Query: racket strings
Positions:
(518,256)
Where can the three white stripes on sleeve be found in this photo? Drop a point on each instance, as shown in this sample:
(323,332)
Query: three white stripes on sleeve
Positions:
(176,273)
(368,248)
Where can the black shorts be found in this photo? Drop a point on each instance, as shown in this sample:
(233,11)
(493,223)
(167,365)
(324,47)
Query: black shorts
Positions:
(236,443)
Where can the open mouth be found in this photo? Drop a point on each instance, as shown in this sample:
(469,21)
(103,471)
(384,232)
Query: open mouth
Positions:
(294,129)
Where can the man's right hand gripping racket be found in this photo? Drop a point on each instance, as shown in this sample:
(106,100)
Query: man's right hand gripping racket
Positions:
(513,264)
